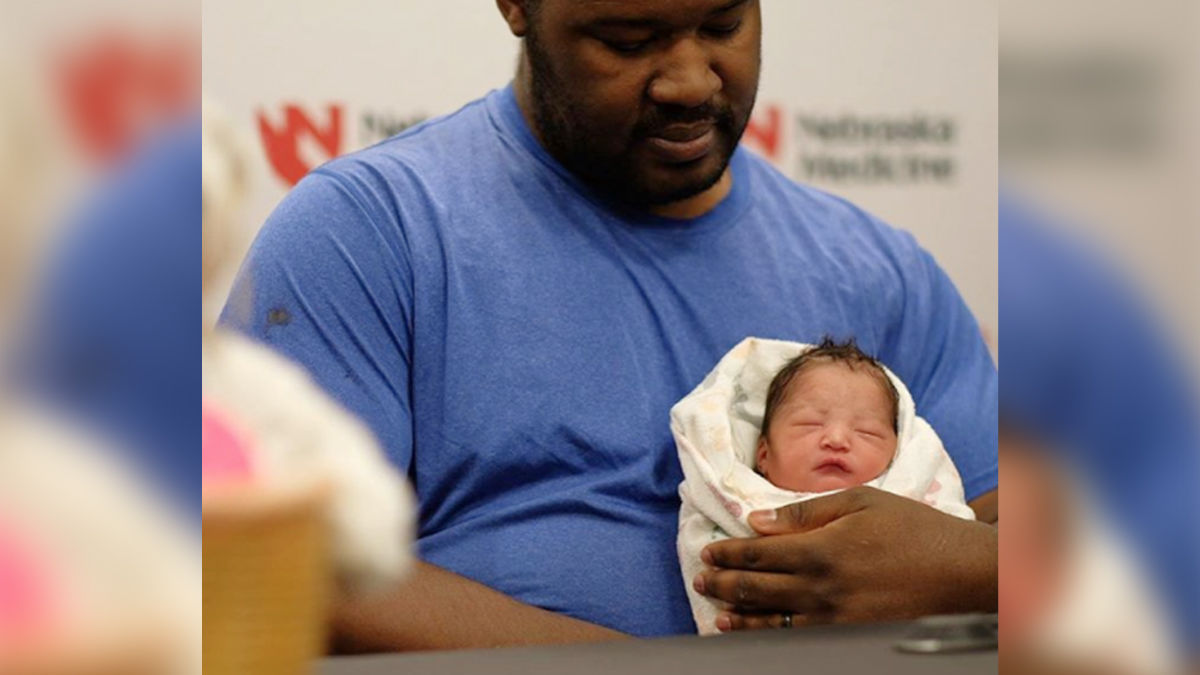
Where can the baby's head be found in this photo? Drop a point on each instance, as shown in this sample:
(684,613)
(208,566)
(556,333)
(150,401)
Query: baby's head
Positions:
(830,421)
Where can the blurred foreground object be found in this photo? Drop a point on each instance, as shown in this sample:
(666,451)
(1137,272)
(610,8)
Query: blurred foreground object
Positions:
(109,152)
(1094,387)
(1099,237)
(1070,594)
(24,175)
(98,574)
(95,576)
(298,499)
(266,580)
(112,339)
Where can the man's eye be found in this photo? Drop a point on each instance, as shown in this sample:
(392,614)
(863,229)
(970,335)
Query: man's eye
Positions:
(625,42)
(626,47)
(723,29)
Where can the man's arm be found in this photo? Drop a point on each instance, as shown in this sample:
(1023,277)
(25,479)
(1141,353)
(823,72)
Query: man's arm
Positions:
(859,555)
(987,507)
(329,283)
(437,609)
(868,555)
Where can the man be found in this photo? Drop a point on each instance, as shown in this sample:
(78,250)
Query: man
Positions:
(513,296)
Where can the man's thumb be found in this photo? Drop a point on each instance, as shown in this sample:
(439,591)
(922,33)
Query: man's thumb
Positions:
(809,515)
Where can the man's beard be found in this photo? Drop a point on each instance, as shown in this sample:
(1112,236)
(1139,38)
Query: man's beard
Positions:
(615,172)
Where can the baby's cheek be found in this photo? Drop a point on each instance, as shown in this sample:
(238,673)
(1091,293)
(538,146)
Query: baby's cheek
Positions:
(889,452)
(882,460)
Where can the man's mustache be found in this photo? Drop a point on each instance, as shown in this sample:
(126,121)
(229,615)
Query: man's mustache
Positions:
(659,118)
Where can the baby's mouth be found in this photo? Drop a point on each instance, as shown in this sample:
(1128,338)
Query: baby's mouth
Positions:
(832,466)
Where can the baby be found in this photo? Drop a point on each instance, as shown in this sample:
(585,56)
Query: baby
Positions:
(775,423)
(830,422)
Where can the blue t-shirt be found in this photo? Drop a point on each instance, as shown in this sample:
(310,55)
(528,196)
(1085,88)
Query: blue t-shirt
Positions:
(516,343)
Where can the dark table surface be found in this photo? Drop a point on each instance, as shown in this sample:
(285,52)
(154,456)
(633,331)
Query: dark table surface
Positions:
(827,649)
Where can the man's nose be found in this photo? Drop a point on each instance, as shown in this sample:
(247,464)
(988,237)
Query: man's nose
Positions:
(686,78)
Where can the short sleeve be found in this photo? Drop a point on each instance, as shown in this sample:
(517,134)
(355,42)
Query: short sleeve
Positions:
(328,284)
(939,352)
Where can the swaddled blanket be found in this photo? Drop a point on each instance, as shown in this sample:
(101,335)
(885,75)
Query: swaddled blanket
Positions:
(716,429)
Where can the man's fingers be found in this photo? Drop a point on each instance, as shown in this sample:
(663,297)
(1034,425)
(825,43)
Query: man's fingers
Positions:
(747,590)
(812,514)
(799,555)
(731,621)
(753,592)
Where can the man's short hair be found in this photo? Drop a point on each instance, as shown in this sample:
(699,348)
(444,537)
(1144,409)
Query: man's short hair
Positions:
(829,351)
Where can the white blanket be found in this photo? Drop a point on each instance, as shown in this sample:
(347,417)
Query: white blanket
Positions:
(716,429)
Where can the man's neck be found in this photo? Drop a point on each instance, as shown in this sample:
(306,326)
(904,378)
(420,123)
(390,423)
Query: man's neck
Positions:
(684,209)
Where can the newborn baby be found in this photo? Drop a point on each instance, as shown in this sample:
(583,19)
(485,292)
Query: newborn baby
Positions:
(777,423)
(830,421)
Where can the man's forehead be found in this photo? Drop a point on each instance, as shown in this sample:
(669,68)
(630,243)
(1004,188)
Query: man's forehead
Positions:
(643,11)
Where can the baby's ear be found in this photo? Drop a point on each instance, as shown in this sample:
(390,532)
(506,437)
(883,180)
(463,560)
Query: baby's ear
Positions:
(760,455)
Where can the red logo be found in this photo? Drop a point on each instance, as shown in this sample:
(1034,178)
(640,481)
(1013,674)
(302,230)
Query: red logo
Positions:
(765,131)
(116,87)
(283,143)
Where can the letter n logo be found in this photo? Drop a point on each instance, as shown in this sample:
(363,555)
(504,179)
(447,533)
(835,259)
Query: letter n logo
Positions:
(765,132)
(283,143)
(116,88)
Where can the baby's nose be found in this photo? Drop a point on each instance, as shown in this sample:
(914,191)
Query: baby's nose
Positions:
(836,438)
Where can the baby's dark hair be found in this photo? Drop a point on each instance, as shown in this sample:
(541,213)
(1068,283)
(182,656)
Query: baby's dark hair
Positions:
(829,351)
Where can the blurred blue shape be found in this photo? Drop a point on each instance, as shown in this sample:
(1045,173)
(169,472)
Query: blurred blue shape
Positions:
(114,339)
(1089,370)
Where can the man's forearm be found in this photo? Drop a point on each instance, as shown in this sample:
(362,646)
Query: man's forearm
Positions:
(975,579)
(437,609)
(987,507)
(986,565)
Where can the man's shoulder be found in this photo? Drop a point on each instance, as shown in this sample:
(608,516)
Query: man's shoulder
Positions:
(833,219)
(441,148)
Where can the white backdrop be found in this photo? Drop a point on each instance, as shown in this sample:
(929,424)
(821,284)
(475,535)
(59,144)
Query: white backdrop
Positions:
(890,104)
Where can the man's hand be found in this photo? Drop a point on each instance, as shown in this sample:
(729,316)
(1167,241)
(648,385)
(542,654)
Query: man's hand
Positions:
(859,555)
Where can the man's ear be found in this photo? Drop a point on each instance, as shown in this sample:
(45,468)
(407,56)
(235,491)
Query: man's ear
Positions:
(760,455)
(514,15)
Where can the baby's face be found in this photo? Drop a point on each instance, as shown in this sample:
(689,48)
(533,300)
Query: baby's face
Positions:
(833,430)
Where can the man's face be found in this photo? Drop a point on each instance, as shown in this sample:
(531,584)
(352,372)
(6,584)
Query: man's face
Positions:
(833,430)
(644,99)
